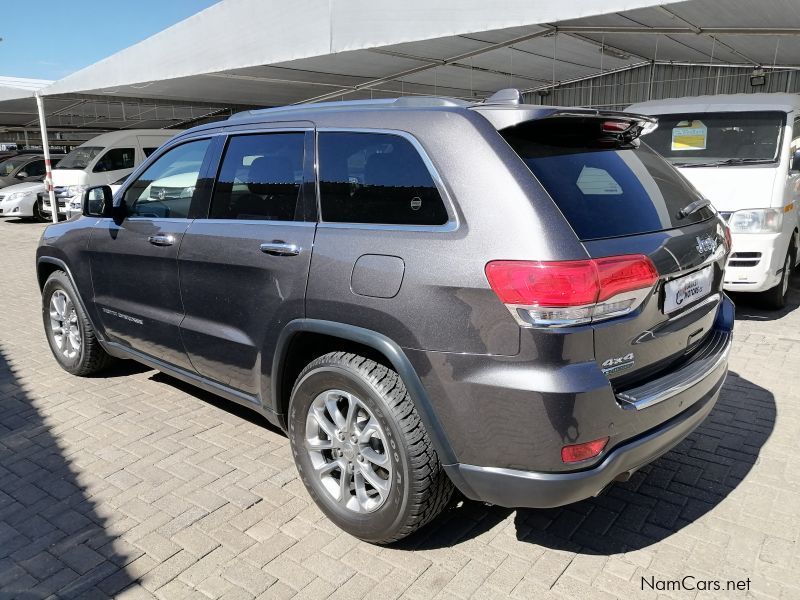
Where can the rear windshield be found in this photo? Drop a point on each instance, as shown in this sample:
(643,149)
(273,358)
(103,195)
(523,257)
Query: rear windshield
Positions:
(604,189)
(718,139)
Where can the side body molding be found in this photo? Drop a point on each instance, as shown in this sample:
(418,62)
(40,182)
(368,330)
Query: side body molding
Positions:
(380,343)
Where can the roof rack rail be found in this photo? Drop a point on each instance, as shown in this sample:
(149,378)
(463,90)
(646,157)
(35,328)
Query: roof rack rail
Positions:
(402,102)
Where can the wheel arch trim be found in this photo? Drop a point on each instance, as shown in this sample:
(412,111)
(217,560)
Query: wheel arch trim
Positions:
(63,267)
(379,342)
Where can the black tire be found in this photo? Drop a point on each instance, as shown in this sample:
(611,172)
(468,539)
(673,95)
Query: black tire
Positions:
(90,358)
(775,298)
(37,212)
(419,489)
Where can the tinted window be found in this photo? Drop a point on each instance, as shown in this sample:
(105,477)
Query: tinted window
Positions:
(166,187)
(35,169)
(260,178)
(148,151)
(8,166)
(116,159)
(603,191)
(376,178)
(699,138)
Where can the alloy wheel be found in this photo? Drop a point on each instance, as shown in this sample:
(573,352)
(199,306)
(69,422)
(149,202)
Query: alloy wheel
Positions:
(348,451)
(64,324)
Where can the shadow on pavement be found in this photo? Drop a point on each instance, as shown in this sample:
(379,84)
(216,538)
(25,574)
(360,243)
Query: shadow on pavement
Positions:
(659,500)
(750,307)
(52,540)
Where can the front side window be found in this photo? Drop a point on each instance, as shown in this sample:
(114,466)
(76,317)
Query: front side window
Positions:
(260,178)
(115,160)
(80,157)
(718,139)
(35,168)
(166,188)
(376,178)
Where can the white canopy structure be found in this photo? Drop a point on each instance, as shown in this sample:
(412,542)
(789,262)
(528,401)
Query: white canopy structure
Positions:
(243,53)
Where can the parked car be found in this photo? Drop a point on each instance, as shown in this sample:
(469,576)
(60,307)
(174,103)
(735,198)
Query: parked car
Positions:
(21,168)
(523,302)
(741,152)
(102,160)
(21,200)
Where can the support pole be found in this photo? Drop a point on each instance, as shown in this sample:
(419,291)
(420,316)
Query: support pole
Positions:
(48,178)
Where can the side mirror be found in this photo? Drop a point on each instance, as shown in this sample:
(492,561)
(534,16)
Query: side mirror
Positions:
(22,175)
(98,201)
(795,164)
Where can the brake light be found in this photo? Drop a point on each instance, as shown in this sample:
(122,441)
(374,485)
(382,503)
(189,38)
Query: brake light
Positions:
(616,126)
(571,292)
(585,451)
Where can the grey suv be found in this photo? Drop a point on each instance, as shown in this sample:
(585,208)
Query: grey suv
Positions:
(522,302)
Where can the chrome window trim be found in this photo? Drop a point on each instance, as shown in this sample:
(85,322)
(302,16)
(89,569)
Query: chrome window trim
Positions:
(452,223)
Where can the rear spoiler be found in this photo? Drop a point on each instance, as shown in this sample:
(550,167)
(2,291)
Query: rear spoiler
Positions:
(614,124)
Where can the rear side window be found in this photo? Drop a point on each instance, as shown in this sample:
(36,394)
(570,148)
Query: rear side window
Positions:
(260,178)
(376,178)
(603,190)
(148,151)
(116,159)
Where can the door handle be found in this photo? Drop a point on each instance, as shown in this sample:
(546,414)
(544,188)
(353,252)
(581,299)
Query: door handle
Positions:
(161,239)
(280,248)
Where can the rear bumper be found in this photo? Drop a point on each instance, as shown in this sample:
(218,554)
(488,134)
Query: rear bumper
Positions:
(513,488)
(532,489)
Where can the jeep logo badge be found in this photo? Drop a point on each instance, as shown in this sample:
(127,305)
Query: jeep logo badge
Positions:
(706,244)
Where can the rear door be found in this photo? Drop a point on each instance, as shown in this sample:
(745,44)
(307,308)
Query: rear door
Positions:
(244,268)
(621,198)
(134,263)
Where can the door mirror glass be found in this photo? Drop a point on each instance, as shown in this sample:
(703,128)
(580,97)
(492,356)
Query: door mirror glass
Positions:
(98,201)
(22,175)
(795,166)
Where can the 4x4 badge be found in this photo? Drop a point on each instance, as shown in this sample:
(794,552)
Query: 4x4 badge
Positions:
(706,244)
(617,363)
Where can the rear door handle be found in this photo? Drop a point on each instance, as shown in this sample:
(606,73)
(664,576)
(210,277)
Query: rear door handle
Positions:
(280,248)
(161,239)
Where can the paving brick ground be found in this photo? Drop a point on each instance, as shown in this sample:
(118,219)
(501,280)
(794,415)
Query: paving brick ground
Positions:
(134,485)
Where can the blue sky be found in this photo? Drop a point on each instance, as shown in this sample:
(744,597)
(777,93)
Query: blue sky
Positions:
(70,35)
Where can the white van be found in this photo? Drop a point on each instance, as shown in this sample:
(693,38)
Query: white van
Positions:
(739,151)
(102,160)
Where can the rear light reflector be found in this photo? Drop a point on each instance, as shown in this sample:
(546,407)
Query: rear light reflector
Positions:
(571,292)
(585,451)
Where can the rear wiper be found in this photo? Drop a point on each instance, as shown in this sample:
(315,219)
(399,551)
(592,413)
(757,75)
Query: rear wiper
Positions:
(693,207)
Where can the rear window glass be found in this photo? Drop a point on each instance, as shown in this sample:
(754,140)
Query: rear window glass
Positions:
(376,178)
(604,190)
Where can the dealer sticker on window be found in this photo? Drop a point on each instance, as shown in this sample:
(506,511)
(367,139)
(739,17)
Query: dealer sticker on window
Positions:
(689,135)
(687,289)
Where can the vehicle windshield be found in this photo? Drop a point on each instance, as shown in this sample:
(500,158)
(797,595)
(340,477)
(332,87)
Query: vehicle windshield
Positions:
(80,157)
(9,165)
(718,139)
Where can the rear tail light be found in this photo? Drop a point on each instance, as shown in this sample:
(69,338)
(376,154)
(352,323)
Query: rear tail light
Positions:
(585,451)
(616,126)
(571,292)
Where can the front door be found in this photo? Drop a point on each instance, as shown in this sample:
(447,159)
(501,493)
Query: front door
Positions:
(134,262)
(244,269)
